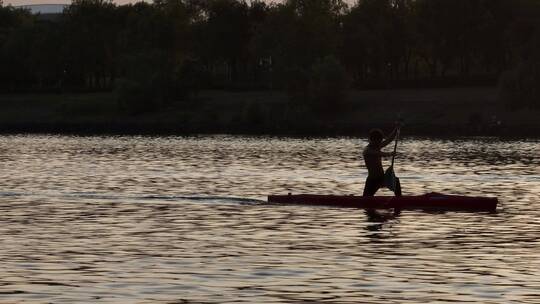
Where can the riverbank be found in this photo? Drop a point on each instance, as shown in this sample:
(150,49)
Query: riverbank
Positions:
(426,112)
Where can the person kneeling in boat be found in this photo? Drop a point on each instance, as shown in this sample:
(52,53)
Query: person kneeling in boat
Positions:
(373,159)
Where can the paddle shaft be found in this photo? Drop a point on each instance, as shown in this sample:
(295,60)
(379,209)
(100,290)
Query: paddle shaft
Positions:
(395,148)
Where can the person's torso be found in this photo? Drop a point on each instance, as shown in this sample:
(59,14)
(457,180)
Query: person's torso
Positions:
(373,162)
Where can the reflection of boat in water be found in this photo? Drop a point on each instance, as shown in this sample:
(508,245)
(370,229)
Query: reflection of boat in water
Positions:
(430,201)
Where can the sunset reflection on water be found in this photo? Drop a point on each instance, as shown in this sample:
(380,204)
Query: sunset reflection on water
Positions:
(173,219)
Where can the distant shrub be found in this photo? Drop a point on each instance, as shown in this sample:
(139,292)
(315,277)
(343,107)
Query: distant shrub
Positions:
(476,118)
(322,88)
(135,97)
(253,113)
(151,81)
(329,85)
(520,87)
(297,82)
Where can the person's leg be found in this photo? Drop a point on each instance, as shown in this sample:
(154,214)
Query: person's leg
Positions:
(371,187)
(368,188)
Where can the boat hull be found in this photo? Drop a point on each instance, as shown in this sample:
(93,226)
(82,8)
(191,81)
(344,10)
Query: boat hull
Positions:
(430,201)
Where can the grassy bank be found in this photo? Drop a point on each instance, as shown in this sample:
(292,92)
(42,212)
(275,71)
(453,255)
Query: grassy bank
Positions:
(432,112)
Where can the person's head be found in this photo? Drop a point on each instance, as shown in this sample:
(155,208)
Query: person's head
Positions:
(376,137)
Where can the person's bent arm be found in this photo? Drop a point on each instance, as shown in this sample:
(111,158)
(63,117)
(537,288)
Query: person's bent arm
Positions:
(378,153)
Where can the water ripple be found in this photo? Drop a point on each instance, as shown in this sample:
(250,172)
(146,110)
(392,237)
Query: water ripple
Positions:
(180,220)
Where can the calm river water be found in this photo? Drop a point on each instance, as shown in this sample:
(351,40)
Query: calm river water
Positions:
(182,220)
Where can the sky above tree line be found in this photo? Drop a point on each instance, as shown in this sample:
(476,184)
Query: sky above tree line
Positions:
(30,2)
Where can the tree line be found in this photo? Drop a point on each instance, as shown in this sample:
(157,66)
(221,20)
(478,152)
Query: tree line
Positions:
(315,49)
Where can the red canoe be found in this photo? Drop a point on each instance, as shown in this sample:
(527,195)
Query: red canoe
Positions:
(430,201)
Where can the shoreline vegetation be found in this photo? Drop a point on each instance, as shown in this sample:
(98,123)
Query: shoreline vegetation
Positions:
(448,112)
(293,67)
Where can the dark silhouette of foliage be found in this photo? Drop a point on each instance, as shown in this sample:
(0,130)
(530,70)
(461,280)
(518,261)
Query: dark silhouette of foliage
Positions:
(379,40)
(520,87)
(90,30)
(321,88)
(235,44)
(329,85)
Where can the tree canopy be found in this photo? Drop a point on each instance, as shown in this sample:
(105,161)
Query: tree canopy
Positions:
(252,44)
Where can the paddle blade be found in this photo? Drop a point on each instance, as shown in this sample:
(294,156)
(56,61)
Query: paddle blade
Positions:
(390,179)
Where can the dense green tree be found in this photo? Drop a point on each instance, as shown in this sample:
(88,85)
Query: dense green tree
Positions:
(224,36)
(15,32)
(156,43)
(90,49)
(328,86)
(170,47)
(294,35)
(316,29)
(520,86)
(378,39)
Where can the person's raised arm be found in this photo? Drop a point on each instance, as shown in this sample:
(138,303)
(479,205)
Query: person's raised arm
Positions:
(390,138)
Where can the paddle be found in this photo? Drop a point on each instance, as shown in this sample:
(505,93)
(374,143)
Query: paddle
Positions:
(389,175)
